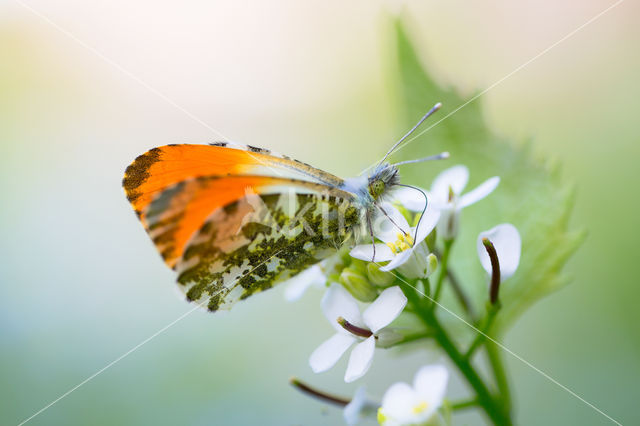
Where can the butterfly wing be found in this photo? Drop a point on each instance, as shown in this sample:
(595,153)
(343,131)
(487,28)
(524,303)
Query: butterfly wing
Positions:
(231,235)
(162,167)
(266,236)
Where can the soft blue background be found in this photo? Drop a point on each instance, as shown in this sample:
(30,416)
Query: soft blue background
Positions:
(81,283)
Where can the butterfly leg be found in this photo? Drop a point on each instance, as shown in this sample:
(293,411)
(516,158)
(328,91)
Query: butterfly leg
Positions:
(373,240)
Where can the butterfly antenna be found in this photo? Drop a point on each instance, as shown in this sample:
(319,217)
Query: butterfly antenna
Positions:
(426,203)
(413,129)
(441,156)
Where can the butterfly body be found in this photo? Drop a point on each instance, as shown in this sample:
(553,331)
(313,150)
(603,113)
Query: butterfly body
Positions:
(235,221)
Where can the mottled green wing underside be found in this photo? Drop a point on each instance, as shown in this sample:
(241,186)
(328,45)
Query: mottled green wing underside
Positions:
(258,240)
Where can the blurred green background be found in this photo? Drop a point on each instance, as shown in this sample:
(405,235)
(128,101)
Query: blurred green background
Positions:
(87,86)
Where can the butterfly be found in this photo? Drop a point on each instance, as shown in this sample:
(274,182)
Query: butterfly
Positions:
(234,220)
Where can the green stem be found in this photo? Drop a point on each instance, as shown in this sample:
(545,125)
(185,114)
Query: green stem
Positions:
(460,294)
(494,356)
(486,401)
(443,268)
(413,337)
(462,405)
(491,407)
(463,299)
(426,283)
(497,365)
(492,310)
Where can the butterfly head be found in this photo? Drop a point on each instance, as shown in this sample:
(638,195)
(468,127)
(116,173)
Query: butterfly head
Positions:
(383,178)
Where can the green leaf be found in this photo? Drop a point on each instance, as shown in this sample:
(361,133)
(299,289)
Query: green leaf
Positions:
(531,195)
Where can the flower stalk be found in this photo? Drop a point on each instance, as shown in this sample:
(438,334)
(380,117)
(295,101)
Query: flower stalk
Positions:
(323,396)
(492,311)
(414,337)
(460,294)
(497,366)
(443,268)
(491,406)
(463,405)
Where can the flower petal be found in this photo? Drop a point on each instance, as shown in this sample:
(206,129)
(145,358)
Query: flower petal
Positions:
(328,353)
(297,285)
(430,383)
(506,239)
(412,199)
(455,178)
(387,227)
(427,223)
(398,402)
(337,302)
(365,252)
(384,309)
(398,260)
(478,193)
(353,410)
(360,359)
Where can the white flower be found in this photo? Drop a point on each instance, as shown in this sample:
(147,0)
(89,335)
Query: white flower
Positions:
(400,248)
(336,304)
(446,196)
(297,285)
(506,240)
(359,406)
(406,405)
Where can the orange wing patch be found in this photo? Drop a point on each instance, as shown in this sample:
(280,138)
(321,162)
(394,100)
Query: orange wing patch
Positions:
(162,167)
(165,166)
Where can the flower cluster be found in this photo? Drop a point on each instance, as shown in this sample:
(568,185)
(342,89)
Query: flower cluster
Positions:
(365,329)
(407,267)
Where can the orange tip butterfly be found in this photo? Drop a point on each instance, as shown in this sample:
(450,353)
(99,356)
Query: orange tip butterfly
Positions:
(234,220)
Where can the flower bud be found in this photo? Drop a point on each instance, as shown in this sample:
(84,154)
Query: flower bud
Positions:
(359,266)
(432,264)
(378,277)
(358,285)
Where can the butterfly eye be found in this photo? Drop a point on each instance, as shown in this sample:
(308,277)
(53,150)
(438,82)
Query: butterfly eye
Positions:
(377,188)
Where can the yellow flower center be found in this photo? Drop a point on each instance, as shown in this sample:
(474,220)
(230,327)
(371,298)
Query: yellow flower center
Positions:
(421,407)
(404,242)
